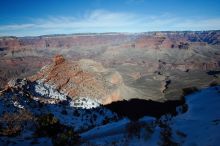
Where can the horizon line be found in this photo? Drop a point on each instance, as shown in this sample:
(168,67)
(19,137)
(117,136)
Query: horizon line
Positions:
(113,32)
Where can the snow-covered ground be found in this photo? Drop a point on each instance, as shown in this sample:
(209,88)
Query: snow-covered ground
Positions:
(80,118)
(199,126)
(118,133)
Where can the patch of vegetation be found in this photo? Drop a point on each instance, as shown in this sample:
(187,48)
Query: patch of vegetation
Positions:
(66,137)
(10,130)
(2,49)
(106,121)
(11,124)
(184,108)
(181,134)
(189,90)
(49,126)
(134,129)
(166,135)
(183,45)
(213,72)
(76,113)
(213,83)
(64,112)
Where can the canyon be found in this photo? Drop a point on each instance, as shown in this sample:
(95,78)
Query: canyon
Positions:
(117,89)
(151,65)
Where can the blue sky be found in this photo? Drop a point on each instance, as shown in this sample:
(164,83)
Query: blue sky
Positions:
(39,17)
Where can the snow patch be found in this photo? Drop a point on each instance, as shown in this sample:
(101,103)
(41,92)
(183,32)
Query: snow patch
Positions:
(16,104)
(49,91)
(85,103)
(114,128)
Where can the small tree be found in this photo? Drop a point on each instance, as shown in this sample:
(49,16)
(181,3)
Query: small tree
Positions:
(48,125)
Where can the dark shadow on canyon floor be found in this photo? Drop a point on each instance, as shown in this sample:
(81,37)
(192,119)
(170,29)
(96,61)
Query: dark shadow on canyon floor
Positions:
(137,108)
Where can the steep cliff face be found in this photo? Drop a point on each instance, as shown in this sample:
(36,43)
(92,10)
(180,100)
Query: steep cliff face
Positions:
(65,41)
(152,40)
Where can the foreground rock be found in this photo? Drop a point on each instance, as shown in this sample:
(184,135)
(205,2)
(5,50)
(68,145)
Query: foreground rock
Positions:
(37,113)
(46,117)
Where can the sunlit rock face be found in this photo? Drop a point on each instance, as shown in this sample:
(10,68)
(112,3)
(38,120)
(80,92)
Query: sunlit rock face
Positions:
(83,78)
(58,59)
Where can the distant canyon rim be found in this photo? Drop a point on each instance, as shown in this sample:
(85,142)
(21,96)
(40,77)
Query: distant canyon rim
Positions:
(115,66)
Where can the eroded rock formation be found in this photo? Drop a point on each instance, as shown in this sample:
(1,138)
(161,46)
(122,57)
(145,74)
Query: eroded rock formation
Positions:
(83,78)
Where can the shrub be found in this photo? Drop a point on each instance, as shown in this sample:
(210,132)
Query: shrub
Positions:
(66,137)
(94,116)
(133,129)
(76,113)
(184,108)
(12,123)
(10,130)
(166,136)
(49,126)
(64,112)
(213,83)
(106,121)
(189,90)
(181,134)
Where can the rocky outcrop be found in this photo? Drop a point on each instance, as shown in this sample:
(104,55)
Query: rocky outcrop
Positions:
(84,78)
(58,59)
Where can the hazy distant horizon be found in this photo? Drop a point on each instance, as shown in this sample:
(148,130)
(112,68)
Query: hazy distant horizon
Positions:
(91,33)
